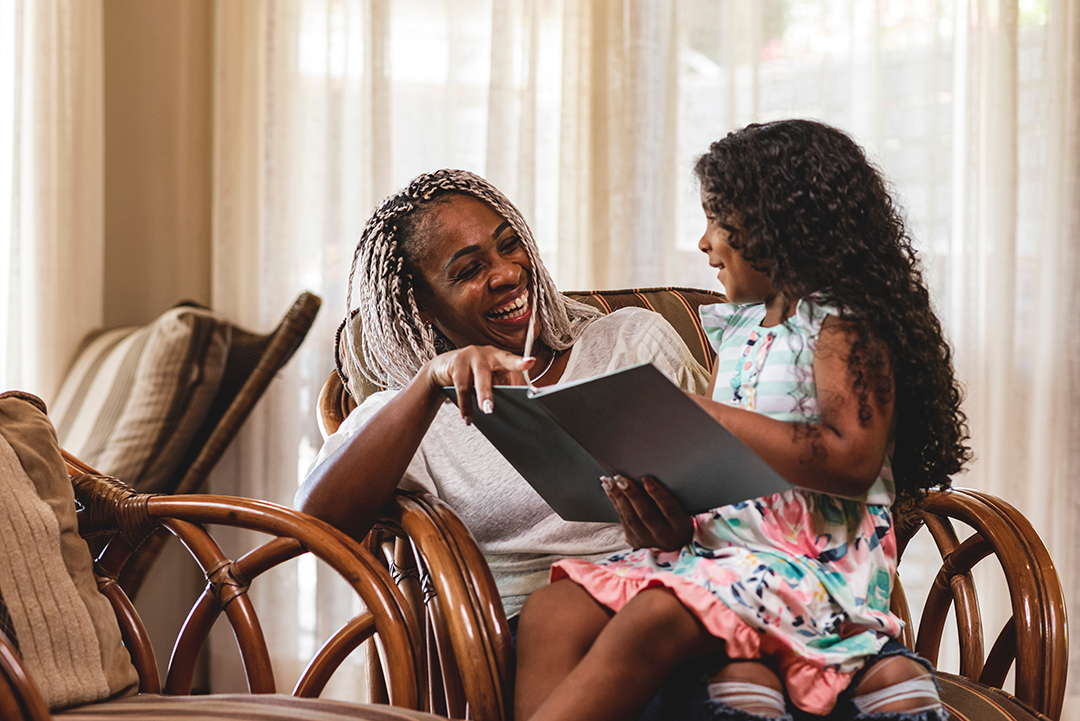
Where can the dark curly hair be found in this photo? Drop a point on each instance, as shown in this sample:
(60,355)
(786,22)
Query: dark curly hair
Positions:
(804,206)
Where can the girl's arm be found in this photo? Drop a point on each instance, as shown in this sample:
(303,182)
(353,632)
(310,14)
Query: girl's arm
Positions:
(349,488)
(841,455)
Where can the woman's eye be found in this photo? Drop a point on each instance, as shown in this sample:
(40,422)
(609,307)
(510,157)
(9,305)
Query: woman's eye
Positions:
(511,244)
(467,272)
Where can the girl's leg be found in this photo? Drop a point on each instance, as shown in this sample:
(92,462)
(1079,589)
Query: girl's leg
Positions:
(630,657)
(557,626)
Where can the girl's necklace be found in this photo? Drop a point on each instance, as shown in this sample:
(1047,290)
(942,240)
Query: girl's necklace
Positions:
(551,362)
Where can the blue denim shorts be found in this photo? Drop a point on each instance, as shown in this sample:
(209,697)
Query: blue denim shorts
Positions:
(685,697)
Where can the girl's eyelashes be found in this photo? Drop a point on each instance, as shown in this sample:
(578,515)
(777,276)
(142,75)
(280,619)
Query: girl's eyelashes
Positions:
(510,244)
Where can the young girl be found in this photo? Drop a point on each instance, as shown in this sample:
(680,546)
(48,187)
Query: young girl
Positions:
(832,366)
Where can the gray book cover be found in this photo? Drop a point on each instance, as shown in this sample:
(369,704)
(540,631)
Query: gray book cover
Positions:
(634,422)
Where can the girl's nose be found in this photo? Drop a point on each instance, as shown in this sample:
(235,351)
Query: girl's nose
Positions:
(703,244)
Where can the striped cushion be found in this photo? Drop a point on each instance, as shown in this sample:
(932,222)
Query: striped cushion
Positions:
(62,627)
(229,707)
(970,701)
(965,700)
(134,397)
(677,305)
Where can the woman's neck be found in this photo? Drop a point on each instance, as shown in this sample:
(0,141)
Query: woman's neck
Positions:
(552,369)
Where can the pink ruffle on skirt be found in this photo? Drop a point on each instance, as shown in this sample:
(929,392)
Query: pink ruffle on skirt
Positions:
(812,688)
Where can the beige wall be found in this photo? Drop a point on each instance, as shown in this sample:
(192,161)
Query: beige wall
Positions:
(157,213)
(157,156)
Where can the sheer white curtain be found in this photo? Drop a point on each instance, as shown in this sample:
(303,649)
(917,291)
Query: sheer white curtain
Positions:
(589,116)
(970,108)
(51,186)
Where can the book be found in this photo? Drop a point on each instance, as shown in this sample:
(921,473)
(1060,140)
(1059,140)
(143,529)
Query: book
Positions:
(634,422)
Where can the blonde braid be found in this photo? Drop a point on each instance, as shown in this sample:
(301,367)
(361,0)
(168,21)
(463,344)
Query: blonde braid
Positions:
(394,342)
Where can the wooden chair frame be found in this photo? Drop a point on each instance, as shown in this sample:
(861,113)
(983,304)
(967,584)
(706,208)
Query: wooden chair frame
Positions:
(1034,641)
(109,508)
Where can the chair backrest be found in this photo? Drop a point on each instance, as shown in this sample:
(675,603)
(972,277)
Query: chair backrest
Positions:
(677,305)
(253,361)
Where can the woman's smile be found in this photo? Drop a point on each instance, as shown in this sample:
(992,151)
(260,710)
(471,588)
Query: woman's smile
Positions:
(514,311)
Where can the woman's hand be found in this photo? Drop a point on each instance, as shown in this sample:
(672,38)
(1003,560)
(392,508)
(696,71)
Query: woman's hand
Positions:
(478,367)
(651,517)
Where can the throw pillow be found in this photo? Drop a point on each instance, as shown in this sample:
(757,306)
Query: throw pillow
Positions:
(135,397)
(63,628)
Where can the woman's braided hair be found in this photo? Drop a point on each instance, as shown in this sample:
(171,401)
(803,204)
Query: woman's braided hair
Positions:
(394,340)
(817,218)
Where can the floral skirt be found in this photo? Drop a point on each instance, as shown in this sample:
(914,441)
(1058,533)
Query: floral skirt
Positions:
(802,579)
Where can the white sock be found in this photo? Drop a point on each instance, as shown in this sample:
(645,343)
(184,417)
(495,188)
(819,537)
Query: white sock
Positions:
(920,690)
(749,697)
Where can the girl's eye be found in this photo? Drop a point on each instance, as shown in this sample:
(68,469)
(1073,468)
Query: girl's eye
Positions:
(511,244)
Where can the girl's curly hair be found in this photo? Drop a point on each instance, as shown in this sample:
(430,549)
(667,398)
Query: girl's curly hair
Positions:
(804,205)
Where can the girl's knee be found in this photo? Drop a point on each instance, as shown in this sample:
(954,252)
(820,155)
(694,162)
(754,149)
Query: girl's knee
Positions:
(897,684)
(563,604)
(755,672)
(890,671)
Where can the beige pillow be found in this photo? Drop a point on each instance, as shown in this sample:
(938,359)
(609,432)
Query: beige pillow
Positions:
(63,628)
(135,397)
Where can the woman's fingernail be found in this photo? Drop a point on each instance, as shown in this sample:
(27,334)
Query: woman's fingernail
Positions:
(487,406)
(605,481)
(622,483)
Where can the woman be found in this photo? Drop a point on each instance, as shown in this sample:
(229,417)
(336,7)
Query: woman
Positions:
(451,292)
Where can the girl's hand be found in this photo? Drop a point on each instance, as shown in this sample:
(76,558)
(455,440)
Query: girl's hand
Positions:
(478,367)
(651,517)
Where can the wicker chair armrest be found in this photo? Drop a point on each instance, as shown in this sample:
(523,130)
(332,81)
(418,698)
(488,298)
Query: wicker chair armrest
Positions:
(1034,642)
(116,508)
(468,600)
(20,699)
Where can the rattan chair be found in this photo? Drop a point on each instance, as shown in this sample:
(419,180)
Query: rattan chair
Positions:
(469,652)
(253,361)
(124,518)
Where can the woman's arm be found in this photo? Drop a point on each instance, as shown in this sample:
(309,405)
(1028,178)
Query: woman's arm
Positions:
(349,488)
(841,454)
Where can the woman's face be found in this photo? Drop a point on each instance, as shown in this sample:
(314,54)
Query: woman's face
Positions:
(476,276)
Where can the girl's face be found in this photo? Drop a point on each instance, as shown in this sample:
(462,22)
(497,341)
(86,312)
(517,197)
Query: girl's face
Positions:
(476,276)
(742,282)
